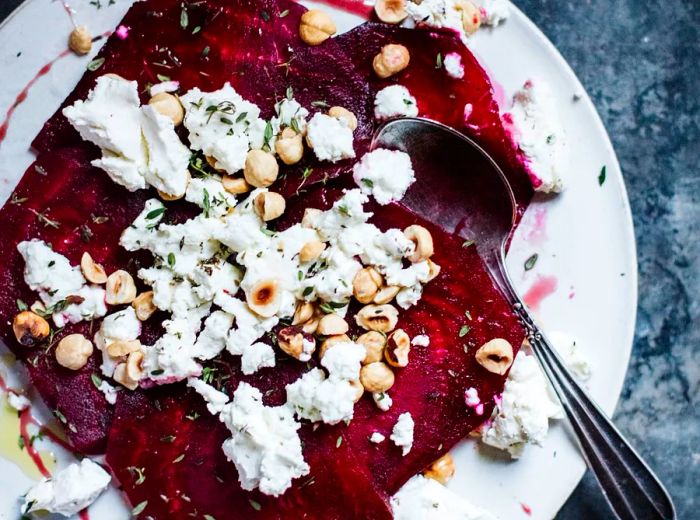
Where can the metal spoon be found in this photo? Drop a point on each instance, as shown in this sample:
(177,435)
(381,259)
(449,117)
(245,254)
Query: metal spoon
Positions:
(467,193)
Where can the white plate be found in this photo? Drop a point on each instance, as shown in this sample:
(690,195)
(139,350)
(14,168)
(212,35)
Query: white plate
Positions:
(584,238)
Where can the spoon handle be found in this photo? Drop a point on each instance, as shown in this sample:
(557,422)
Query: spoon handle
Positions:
(631,488)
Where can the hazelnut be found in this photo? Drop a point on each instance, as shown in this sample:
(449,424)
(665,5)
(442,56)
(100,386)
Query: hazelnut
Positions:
(211,161)
(386,294)
(423,241)
(316,27)
(382,318)
(442,469)
(169,106)
(330,341)
(332,325)
(365,284)
(144,306)
(269,205)
(398,346)
(391,11)
(303,313)
(120,288)
(391,60)
(374,343)
(376,377)
(311,251)
(433,270)
(471,17)
(120,377)
(311,325)
(344,114)
(235,185)
(261,168)
(310,215)
(92,271)
(121,348)
(80,40)
(167,197)
(73,351)
(296,343)
(134,366)
(496,356)
(264,298)
(30,328)
(289,146)
(359,389)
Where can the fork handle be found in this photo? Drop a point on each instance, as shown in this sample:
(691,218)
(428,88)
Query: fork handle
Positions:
(629,485)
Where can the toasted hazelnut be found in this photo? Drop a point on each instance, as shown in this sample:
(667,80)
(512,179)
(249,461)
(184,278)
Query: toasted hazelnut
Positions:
(264,298)
(235,185)
(122,348)
(289,146)
(433,270)
(310,215)
(30,328)
(391,11)
(316,27)
(261,168)
(398,346)
(211,161)
(144,306)
(73,351)
(359,389)
(374,343)
(442,469)
(295,342)
(423,241)
(93,272)
(120,288)
(376,377)
(471,17)
(121,377)
(311,251)
(391,60)
(332,325)
(80,40)
(269,205)
(134,368)
(167,197)
(496,356)
(365,284)
(311,325)
(330,341)
(169,106)
(386,294)
(382,318)
(303,313)
(343,113)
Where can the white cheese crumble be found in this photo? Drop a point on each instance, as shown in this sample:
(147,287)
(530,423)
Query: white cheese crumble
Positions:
(421,340)
(122,325)
(139,145)
(437,13)
(18,401)
(522,413)
(385,174)
(215,399)
(382,400)
(52,276)
(540,135)
(69,491)
(395,101)
(402,433)
(110,392)
(567,347)
(377,438)
(209,194)
(255,357)
(265,446)
(494,12)
(423,498)
(164,86)
(453,65)
(330,137)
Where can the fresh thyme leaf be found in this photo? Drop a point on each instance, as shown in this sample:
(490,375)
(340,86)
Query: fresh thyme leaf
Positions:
(290,93)
(139,508)
(265,16)
(171,259)
(294,125)
(155,213)
(319,104)
(179,459)
(21,306)
(530,262)
(184,17)
(255,505)
(225,120)
(284,13)
(96,380)
(438,61)
(209,517)
(60,416)
(206,202)
(602,175)
(338,441)
(197,29)
(20,442)
(241,117)
(467,243)
(95,64)
(268,134)
(168,438)
(368,182)
(205,51)
(45,220)
(464,330)
(139,473)
(307,291)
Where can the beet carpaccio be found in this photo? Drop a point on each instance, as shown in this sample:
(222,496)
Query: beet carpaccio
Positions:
(277,336)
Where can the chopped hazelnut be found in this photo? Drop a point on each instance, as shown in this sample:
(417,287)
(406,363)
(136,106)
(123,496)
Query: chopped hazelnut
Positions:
(398,346)
(311,251)
(442,469)
(496,356)
(391,60)
(30,328)
(144,306)
(374,343)
(386,294)
(316,27)
(121,348)
(471,17)
(120,288)
(332,325)
(303,313)
(264,298)
(168,105)
(344,114)
(269,205)
(235,185)
(93,272)
(365,284)
(291,340)
(290,146)
(423,241)
(261,168)
(382,318)
(391,11)
(330,341)
(376,377)
(73,351)
(80,40)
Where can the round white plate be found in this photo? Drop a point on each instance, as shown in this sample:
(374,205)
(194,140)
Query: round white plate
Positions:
(584,239)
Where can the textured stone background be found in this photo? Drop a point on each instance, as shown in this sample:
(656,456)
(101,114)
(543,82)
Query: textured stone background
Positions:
(640,61)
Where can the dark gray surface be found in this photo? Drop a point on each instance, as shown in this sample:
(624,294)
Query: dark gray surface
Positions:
(640,61)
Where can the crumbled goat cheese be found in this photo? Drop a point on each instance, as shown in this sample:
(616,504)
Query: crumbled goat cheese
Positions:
(109,391)
(209,194)
(402,433)
(52,276)
(248,327)
(289,113)
(382,400)
(212,340)
(139,145)
(567,347)
(69,491)
(18,401)
(257,356)
(494,12)
(472,400)
(522,413)
(164,86)
(377,438)
(220,124)
(540,135)
(385,174)
(421,340)
(437,13)
(330,138)
(423,498)
(265,446)
(122,325)
(329,399)
(453,65)
(215,399)
(395,101)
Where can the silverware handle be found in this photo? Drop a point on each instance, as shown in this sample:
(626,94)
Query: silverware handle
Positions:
(629,485)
